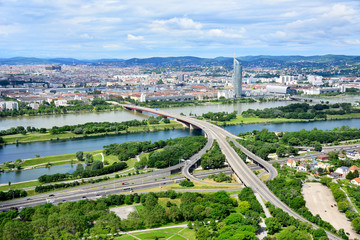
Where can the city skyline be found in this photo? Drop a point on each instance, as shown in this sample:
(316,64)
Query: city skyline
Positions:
(126,29)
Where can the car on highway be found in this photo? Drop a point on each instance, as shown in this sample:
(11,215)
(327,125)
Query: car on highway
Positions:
(51,195)
(28,199)
(83,196)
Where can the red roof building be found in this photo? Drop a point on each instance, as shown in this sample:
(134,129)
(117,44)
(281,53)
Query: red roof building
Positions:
(323,157)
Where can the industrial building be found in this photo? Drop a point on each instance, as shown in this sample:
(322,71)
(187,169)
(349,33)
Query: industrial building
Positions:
(279,90)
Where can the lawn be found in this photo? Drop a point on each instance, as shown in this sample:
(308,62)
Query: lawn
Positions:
(168,233)
(250,120)
(55,158)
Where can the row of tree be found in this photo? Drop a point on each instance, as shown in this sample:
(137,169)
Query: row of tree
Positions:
(302,111)
(11,194)
(220,116)
(83,173)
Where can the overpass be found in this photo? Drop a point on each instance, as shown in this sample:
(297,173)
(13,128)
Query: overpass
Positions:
(239,167)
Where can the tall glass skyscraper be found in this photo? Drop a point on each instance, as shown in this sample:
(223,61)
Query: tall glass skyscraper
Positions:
(237,79)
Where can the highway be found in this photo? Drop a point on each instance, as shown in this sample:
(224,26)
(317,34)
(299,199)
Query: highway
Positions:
(131,185)
(242,171)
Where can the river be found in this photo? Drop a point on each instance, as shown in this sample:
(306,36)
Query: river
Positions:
(48,121)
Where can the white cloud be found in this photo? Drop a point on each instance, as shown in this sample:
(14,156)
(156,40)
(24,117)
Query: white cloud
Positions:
(134,38)
(227,34)
(86,36)
(353,42)
(175,24)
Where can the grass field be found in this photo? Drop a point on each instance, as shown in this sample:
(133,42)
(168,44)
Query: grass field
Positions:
(55,158)
(175,233)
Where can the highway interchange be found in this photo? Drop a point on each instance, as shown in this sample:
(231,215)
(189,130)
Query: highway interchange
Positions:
(157,179)
(242,171)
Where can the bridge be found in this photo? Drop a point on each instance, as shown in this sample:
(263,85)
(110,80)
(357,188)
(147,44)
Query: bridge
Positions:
(242,171)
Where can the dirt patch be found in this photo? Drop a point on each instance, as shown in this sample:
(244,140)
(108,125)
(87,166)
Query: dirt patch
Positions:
(123,212)
(319,199)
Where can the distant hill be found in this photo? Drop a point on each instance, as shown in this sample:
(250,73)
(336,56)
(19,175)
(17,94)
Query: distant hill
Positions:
(188,61)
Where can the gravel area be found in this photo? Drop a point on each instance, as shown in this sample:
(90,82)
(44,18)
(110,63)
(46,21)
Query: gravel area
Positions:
(319,199)
(123,212)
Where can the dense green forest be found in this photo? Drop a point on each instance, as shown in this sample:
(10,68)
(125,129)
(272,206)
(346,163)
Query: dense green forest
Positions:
(85,218)
(303,111)
(172,151)
(263,142)
(213,158)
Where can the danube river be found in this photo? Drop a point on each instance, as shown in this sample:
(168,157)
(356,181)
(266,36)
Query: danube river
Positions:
(48,121)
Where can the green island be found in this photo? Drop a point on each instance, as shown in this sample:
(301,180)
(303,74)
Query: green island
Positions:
(296,112)
(21,134)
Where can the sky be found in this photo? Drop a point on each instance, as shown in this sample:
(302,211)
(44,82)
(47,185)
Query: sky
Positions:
(93,29)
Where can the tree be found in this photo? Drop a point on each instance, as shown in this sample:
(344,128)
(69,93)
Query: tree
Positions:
(80,155)
(280,151)
(203,233)
(97,165)
(317,147)
(356,224)
(319,233)
(244,206)
(79,168)
(343,205)
(89,159)
(272,225)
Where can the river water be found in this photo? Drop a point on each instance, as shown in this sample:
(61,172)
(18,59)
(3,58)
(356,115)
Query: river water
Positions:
(48,121)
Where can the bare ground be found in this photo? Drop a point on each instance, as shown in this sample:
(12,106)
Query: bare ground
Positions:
(319,199)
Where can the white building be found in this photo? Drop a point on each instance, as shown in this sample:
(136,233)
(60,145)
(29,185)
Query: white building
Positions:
(285,79)
(317,91)
(315,80)
(225,93)
(9,105)
(343,171)
(355,181)
(60,102)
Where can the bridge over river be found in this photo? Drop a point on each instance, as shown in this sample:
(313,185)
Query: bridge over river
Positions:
(242,171)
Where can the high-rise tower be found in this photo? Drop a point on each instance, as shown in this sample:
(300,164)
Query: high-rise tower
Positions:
(237,79)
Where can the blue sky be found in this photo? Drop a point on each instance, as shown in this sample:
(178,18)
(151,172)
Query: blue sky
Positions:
(89,29)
